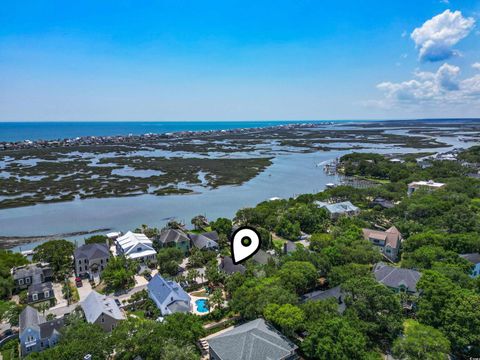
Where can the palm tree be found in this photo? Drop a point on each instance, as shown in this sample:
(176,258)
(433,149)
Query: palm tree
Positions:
(215,300)
(192,275)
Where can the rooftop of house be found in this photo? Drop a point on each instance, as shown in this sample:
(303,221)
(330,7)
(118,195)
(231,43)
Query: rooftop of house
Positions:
(166,291)
(335,293)
(92,251)
(338,208)
(40,287)
(96,304)
(391,236)
(262,257)
(131,241)
(289,246)
(429,183)
(394,277)
(474,258)
(255,340)
(229,267)
(172,235)
(21,272)
(205,240)
(387,204)
(31,318)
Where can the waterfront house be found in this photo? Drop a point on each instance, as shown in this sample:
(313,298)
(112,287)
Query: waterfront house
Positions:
(397,279)
(254,340)
(168,295)
(173,238)
(426,185)
(102,310)
(31,274)
(262,257)
(228,267)
(473,258)
(205,241)
(388,242)
(36,333)
(91,259)
(136,246)
(289,246)
(333,293)
(335,210)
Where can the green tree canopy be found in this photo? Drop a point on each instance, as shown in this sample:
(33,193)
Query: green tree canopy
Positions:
(58,253)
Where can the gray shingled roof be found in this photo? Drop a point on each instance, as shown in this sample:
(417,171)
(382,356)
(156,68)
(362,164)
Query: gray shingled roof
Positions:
(335,293)
(255,340)
(172,235)
(47,328)
(227,266)
(395,277)
(34,270)
(35,288)
(202,241)
(262,257)
(474,258)
(163,289)
(96,304)
(92,251)
(30,318)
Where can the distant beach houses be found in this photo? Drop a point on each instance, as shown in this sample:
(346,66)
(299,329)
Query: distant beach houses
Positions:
(336,210)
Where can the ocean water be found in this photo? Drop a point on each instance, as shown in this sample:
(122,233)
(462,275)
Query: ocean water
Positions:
(19,131)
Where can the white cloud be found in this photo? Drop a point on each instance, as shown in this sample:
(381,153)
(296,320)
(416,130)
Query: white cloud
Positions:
(476,66)
(436,37)
(441,87)
(445,2)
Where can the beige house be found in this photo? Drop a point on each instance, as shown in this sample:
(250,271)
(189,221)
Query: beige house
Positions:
(387,241)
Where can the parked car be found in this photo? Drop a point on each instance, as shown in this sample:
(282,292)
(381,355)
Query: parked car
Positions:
(78,282)
(147,276)
(118,302)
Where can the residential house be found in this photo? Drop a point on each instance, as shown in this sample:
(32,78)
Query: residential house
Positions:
(168,296)
(91,259)
(474,258)
(26,275)
(36,278)
(173,238)
(136,247)
(384,203)
(345,208)
(205,241)
(397,279)
(40,292)
(261,257)
(428,185)
(36,333)
(254,340)
(333,293)
(228,267)
(388,242)
(289,246)
(102,310)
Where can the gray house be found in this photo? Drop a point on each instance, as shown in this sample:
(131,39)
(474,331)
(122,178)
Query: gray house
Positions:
(101,310)
(397,279)
(255,340)
(37,334)
(205,241)
(173,238)
(31,274)
(228,267)
(91,259)
(335,210)
(333,293)
(168,296)
(40,292)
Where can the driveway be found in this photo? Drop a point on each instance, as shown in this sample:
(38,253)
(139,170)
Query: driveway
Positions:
(84,290)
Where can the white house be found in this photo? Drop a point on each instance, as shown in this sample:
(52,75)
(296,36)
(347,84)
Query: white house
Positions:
(136,247)
(430,185)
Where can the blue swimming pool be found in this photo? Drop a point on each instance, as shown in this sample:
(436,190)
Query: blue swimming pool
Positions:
(201,305)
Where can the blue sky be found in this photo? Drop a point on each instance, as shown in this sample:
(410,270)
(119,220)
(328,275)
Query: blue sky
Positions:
(238,60)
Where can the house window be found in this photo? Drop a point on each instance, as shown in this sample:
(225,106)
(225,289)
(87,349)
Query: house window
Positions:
(79,261)
(139,249)
(34,297)
(20,281)
(101,261)
(46,294)
(80,268)
(103,318)
(101,267)
(85,261)
(27,280)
